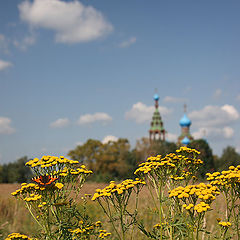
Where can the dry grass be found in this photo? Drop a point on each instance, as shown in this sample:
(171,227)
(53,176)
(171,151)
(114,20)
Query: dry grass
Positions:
(15,218)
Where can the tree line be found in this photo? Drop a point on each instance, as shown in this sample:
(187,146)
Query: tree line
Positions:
(117,160)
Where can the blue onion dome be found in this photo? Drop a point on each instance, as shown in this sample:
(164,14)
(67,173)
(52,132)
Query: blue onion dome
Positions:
(185,121)
(186,141)
(156,97)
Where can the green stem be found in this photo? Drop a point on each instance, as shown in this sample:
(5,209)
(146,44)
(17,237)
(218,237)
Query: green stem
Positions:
(122,222)
(109,216)
(198,225)
(136,210)
(233,200)
(160,208)
(154,202)
(29,209)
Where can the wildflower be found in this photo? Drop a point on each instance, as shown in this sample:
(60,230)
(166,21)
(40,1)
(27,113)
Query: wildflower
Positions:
(18,236)
(59,185)
(225,224)
(112,189)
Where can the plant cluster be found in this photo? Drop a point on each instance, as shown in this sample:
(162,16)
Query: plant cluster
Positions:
(18,236)
(51,199)
(228,181)
(114,200)
(180,205)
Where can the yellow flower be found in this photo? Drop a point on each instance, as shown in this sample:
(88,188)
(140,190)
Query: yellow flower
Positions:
(120,191)
(95,196)
(225,224)
(59,185)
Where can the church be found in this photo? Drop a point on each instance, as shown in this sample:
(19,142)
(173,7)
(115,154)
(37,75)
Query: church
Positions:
(157,131)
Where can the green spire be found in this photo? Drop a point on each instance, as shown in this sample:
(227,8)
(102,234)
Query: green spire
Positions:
(156,124)
(156,131)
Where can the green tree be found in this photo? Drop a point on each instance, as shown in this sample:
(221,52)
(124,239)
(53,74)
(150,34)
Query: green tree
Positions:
(144,149)
(114,159)
(164,148)
(16,171)
(1,174)
(206,155)
(88,153)
(108,161)
(229,158)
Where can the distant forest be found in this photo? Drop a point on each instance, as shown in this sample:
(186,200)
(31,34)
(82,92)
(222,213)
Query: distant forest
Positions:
(117,160)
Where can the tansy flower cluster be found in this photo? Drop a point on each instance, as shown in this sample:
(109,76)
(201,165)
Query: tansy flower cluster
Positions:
(63,170)
(114,189)
(103,234)
(177,166)
(50,161)
(158,225)
(57,181)
(154,163)
(184,175)
(84,231)
(192,194)
(18,236)
(225,224)
(201,207)
(32,197)
(59,166)
(188,150)
(26,188)
(66,171)
(227,178)
(30,191)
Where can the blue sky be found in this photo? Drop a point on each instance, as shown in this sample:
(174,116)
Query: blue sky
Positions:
(72,70)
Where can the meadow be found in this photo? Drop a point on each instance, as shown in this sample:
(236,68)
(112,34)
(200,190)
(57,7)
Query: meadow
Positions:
(164,201)
(14,217)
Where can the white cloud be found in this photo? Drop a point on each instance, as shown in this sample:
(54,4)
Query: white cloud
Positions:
(142,113)
(109,138)
(228,132)
(4,65)
(60,123)
(174,99)
(214,122)
(214,133)
(26,42)
(215,116)
(96,117)
(5,126)
(71,21)
(171,137)
(128,42)
(200,133)
(232,111)
(217,94)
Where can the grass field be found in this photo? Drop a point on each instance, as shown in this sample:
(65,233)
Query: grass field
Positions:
(15,218)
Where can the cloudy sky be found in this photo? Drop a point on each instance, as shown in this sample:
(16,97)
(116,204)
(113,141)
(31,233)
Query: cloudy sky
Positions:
(73,70)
